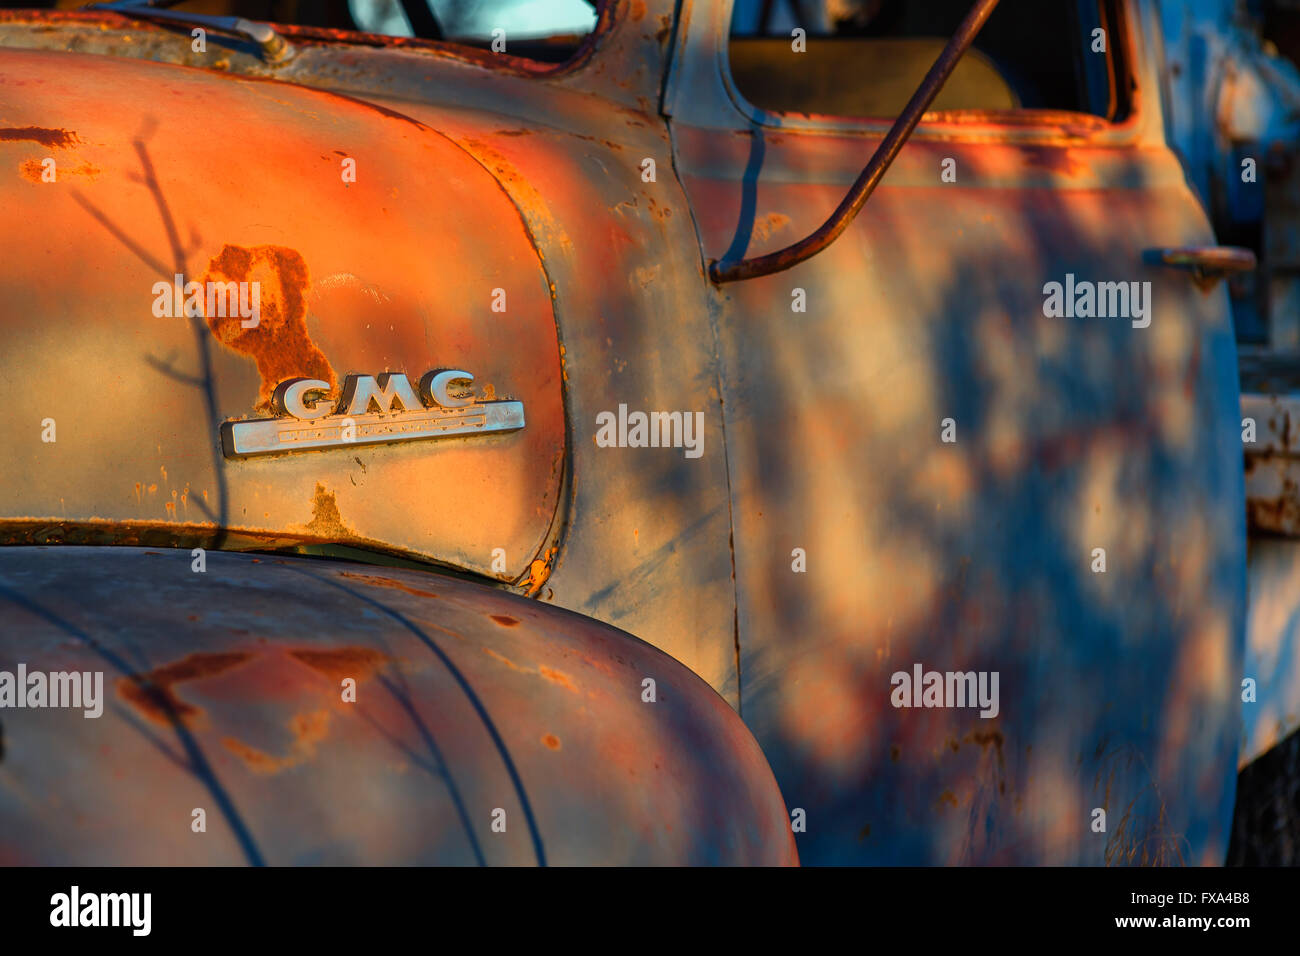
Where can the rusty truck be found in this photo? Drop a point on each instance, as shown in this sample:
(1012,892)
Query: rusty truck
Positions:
(656,431)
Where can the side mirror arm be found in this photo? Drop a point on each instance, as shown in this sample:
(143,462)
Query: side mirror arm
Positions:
(875,169)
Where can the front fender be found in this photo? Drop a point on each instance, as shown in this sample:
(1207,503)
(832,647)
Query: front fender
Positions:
(486,728)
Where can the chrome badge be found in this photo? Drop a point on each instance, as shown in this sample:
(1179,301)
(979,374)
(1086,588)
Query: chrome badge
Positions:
(306,419)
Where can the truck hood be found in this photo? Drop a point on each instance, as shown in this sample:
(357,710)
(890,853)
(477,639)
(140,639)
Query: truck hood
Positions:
(376,245)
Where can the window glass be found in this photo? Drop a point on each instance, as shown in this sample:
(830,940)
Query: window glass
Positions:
(865,58)
(548,30)
(475,20)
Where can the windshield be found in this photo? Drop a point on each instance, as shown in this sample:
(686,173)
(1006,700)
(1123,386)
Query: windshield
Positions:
(474,20)
(548,30)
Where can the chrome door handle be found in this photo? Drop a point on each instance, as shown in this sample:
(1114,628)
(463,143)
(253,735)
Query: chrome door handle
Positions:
(1208,264)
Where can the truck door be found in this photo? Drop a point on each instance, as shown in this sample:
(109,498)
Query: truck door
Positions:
(984,450)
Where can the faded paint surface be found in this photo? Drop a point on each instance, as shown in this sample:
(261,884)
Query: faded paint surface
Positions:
(393,272)
(1271,399)
(645,535)
(1117,690)
(1273,645)
(466,702)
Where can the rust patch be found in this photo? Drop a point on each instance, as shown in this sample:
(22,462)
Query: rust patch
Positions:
(308,730)
(505,660)
(984,738)
(279,343)
(380,582)
(338,663)
(765,226)
(947,797)
(665,28)
(505,620)
(255,759)
(1279,513)
(637,11)
(33,168)
(152,693)
(551,741)
(325,518)
(538,571)
(557,677)
(52,138)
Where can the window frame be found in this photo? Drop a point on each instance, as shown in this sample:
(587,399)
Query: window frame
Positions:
(700,60)
(609,14)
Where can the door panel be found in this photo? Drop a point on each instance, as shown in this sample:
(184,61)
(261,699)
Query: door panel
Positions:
(977,555)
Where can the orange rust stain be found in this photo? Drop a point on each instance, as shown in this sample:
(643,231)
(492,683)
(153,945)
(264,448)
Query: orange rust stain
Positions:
(638,10)
(502,166)
(255,759)
(538,571)
(557,677)
(381,582)
(53,138)
(765,226)
(152,693)
(279,343)
(338,663)
(308,730)
(551,741)
(32,169)
(505,660)
(947,797)
(505,620)
(325,518)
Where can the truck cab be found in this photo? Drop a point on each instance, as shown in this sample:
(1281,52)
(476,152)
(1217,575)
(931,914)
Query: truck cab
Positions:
(951,567)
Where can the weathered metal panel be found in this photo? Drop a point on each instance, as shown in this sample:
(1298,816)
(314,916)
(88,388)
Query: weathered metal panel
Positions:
(223,691)
(1072,434)
(1272,644)
(397,271)
(644,533)
(1119,690)
(1270,410)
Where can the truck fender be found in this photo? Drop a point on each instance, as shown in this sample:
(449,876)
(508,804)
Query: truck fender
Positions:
(276,709)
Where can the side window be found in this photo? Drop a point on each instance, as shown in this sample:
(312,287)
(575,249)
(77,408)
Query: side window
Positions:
(865,58)
(547,30)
